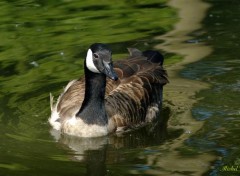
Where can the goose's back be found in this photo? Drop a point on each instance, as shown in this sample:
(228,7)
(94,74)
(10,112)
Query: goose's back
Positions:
(137,98)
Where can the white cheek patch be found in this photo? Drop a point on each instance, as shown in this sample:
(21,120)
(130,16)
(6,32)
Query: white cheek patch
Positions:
(89,62)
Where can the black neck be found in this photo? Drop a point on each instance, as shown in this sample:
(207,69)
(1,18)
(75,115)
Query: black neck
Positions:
(93,110)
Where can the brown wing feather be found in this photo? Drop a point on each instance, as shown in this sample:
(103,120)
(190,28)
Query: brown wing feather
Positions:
(71,99)
(131,101)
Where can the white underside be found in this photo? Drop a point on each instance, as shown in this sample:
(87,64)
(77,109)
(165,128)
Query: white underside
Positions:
(76,127)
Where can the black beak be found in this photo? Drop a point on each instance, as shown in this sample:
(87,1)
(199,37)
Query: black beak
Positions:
(109,71)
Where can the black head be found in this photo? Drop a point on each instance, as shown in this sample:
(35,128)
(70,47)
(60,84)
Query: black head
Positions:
(99,60)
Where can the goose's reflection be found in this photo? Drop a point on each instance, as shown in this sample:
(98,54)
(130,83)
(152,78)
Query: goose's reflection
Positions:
(91,151)
(95,151)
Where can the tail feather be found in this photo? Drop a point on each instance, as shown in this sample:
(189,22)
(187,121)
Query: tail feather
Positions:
(151,55)
(154,56)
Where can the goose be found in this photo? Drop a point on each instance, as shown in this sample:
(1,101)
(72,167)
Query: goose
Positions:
(112,97)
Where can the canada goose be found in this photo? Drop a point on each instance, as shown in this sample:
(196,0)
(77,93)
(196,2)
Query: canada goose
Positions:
(112,97)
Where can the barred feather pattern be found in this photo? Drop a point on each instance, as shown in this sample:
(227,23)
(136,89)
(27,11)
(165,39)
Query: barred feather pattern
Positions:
(137,99)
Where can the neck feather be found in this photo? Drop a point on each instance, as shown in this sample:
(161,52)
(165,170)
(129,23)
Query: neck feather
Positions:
(93,109)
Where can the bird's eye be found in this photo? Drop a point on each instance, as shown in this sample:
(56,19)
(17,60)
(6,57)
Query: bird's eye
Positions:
(95,55)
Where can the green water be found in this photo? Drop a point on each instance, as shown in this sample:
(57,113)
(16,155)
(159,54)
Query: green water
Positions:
(219,107)
(42,46)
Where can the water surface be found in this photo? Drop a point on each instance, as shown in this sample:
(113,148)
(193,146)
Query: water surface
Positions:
(42,47)
(219,105)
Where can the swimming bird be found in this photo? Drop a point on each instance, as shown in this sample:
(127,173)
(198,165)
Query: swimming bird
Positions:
(112,97)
